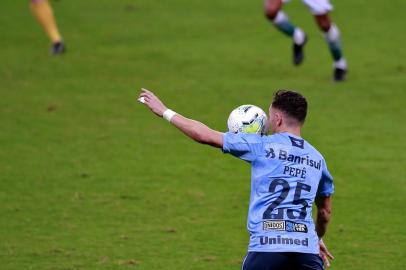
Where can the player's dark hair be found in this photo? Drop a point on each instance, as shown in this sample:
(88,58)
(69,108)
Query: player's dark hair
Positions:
(292,103)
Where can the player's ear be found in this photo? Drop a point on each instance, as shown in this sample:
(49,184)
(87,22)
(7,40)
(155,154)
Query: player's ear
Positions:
(278,119)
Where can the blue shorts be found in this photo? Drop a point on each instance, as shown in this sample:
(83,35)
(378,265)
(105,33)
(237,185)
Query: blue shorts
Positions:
(282,261)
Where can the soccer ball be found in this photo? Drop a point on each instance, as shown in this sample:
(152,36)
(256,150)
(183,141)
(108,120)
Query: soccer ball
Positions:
(247,119)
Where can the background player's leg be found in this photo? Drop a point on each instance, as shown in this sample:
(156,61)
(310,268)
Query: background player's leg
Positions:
(332,36)
(274,13)
(44,14)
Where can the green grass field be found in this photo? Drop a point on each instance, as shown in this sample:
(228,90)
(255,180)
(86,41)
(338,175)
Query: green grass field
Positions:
(90,179)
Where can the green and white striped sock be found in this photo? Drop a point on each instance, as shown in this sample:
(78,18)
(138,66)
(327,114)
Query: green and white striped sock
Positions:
(332,37)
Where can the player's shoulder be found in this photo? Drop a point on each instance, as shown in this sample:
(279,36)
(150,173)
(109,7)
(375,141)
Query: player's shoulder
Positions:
(244,137)
(313,150)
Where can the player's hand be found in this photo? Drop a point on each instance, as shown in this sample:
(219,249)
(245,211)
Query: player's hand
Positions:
(152,102)
(325,254)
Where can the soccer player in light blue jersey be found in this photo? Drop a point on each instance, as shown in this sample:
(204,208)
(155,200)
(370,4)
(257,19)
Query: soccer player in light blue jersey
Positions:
(288,175)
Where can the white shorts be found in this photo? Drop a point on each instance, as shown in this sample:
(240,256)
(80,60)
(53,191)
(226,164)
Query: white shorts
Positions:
(317,7)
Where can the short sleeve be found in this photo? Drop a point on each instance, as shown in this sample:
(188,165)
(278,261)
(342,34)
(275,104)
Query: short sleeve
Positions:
(241,145)
(326,186)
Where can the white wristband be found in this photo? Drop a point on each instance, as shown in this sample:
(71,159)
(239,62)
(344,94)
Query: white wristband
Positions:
(168,114)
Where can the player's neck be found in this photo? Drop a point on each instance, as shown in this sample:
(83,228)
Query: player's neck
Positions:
(292,130)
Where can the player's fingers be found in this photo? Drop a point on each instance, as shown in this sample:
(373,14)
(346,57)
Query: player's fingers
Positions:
(145,95)
(325,260)
(329,255)
(145,99)
(145,90)
(141,98)
(149,93)
(326,252)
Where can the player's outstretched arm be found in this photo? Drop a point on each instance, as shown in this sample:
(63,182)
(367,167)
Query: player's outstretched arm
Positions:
(192,128)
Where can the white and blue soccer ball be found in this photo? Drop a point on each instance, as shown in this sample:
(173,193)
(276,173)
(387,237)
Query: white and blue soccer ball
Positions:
(247,119)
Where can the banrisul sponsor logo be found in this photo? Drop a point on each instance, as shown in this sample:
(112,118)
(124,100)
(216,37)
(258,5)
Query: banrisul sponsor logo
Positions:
(284,155)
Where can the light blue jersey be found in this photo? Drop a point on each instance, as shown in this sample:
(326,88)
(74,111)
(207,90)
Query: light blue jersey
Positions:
(287,173)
